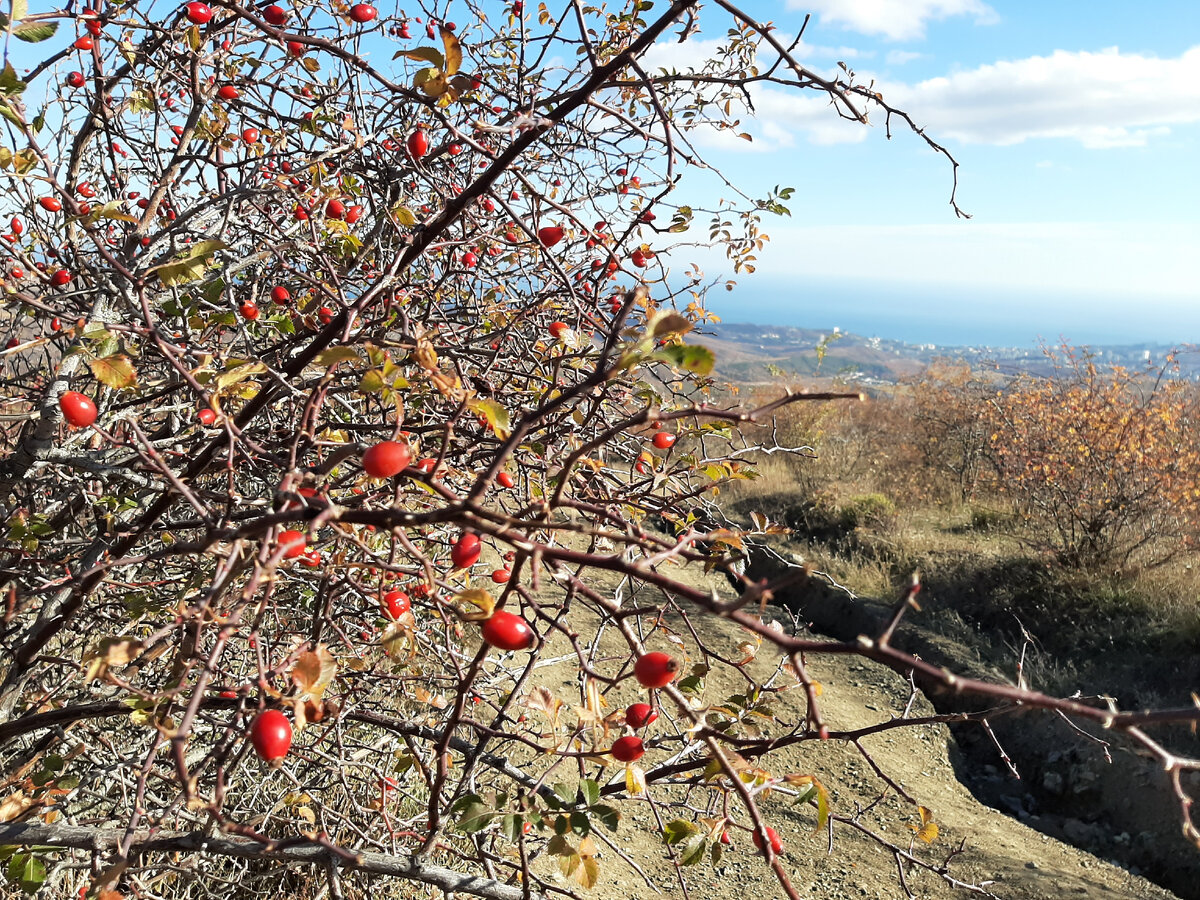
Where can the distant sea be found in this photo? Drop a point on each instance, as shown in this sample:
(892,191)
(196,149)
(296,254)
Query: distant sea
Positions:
(950,315)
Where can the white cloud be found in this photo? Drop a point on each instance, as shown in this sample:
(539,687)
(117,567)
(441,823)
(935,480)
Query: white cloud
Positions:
(900,57)
(1099,99)
(897,20)
(1104,99)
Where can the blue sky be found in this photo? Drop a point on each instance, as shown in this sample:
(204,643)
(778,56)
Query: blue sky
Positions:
(1077,128)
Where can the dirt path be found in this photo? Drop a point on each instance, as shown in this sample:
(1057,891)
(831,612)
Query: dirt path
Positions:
(1019,863)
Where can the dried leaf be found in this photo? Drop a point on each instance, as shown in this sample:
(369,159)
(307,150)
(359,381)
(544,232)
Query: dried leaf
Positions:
(239,374)
(635,780)
(111,651)
(14,805)
(543,700)
(313,672)
(114,371)
(334,355)
(474,604)
(668,322)
(454,54)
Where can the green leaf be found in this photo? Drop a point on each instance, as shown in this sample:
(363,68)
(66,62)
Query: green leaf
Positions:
(580,822)
(27,872)
(694,850)
(667,322)
(475,814)
(689,357)
(190,268)
(591,791)
(511,826)
(691,685)
(238,374)
(679,830)
(35,32)
(372,382)
(495,414)
(114,371)
(10,84)
(606,816)
(111,210)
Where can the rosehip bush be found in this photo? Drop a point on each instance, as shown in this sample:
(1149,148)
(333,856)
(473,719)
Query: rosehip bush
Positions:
(356,248)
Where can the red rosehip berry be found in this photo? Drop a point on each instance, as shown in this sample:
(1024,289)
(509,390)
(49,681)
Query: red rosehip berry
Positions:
(655,670)
(76,79)
(773,837)
(78,409)
(663,440)
(507,631)
(271,735)
(627,749)
(293,543)
(275,15)
(395,604)
(362,13)
(386,459)
(550,235)
(639,715)
(465,552)
(198,13)
(418,143)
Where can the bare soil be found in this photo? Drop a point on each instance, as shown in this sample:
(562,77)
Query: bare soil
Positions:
(1000,855)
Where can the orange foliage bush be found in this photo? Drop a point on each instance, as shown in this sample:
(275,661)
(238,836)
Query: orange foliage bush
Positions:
(1105,463)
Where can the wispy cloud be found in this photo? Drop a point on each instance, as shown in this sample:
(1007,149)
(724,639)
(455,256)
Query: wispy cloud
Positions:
(896,20)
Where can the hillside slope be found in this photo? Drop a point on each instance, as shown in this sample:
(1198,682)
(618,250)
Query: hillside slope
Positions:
(1019,863)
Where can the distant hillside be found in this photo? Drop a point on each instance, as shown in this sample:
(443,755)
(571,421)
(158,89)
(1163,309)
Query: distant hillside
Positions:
(748,354)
